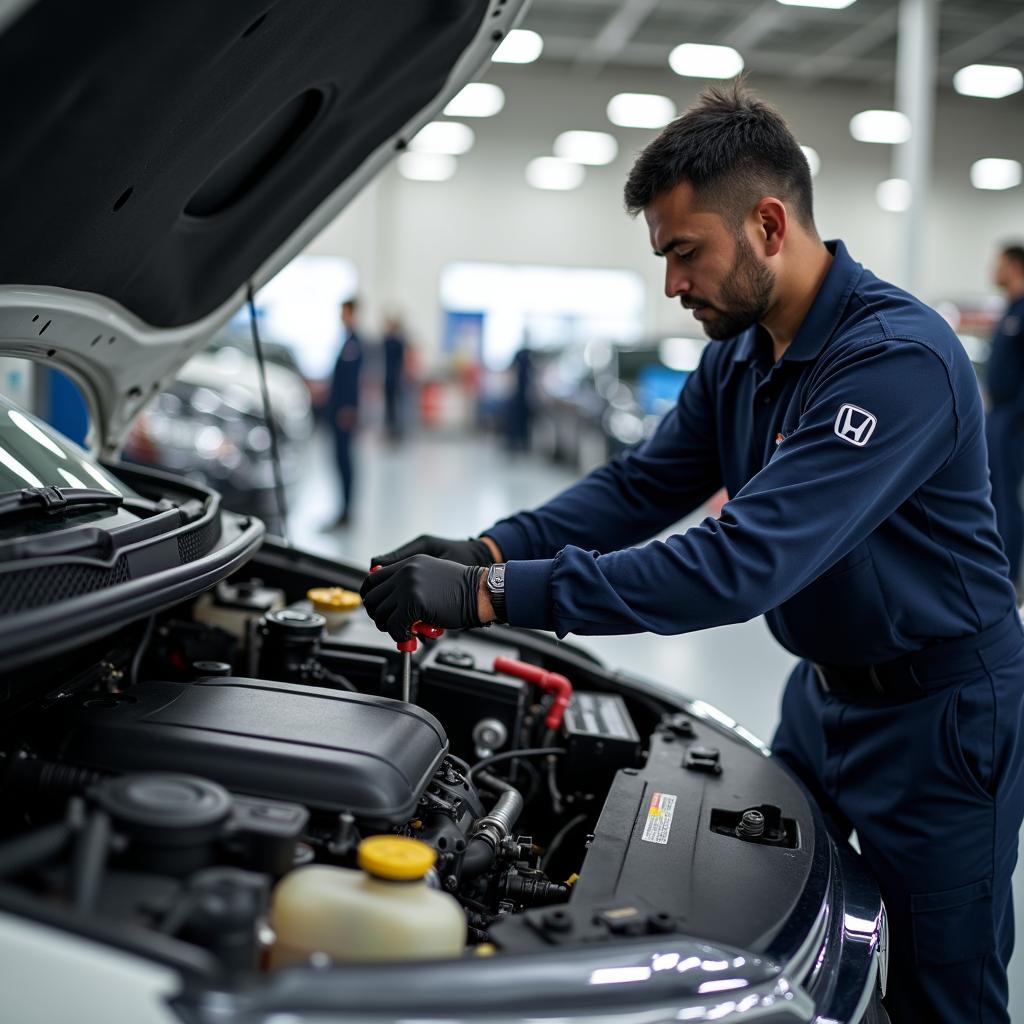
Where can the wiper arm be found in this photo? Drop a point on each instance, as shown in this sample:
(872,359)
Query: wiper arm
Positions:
(55,500)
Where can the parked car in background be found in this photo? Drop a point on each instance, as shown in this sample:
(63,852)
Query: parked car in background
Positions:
(209,425)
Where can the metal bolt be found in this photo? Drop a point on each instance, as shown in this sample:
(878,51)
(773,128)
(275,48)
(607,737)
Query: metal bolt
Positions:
(751,824)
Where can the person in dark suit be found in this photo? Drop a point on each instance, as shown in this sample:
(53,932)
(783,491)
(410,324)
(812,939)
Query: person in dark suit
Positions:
(1005,420)
(343,405)
(394,346)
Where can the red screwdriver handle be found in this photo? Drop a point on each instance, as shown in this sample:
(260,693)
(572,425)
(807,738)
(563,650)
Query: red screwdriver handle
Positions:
(418,628)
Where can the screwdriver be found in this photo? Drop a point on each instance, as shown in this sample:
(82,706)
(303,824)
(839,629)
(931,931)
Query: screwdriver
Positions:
(408,647)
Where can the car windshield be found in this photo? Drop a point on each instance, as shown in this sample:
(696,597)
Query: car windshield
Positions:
(33,454)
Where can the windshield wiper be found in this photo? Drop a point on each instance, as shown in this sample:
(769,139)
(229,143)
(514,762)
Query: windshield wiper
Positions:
(55,500)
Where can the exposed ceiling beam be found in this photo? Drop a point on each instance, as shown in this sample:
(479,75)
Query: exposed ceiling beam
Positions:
(753,27)
(831,61)
(655,55)
(986,42)
(617,31)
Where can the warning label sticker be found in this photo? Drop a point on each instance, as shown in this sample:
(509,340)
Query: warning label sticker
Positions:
(659,818)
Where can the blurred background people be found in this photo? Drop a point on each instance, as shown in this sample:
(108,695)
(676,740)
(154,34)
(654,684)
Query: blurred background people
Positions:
(343,405)
(520,405)
(394,346)
(1005,422)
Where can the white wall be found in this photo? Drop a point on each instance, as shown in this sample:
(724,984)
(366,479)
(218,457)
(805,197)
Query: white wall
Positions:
(401,233)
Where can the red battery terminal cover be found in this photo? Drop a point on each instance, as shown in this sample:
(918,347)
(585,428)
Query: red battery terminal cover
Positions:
(550,682)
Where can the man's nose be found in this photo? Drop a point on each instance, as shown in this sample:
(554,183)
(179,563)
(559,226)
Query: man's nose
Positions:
(676,282)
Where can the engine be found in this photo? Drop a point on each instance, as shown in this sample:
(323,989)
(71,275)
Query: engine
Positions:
(177,782)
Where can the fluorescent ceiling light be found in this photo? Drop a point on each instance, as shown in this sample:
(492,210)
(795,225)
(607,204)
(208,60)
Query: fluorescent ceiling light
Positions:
(595,148)
(478,99)
(994,173)
(893,195)
(697,60)
(427,166)
(880,126)
(443,137)
(830,5)
(640,110)
(521,46)
(551,173)
(813,160)
(993,81)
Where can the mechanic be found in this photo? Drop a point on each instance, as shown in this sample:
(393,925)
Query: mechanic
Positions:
(843,417)
(1005,422)
(343,407)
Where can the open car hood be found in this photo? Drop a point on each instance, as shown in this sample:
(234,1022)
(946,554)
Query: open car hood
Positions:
(161,157)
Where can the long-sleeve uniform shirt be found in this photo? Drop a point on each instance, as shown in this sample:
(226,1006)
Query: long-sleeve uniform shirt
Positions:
(859,522)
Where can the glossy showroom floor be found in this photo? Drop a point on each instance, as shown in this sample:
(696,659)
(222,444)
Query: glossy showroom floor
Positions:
(457,486)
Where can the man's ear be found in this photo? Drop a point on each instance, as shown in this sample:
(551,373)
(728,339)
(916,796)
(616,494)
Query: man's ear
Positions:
(772,224)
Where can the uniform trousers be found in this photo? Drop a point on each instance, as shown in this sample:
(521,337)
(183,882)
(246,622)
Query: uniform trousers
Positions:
(934,787)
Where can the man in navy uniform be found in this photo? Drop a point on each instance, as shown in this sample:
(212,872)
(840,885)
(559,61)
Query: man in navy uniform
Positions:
(844,419)
(343,405)
(1005,421)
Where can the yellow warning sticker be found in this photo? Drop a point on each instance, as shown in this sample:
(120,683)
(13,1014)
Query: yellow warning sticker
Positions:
(659,818)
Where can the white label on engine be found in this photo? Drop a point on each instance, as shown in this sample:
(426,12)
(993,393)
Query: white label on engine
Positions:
(659,818)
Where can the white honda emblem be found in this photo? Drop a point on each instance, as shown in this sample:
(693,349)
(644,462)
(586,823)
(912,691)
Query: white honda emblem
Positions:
(855,425)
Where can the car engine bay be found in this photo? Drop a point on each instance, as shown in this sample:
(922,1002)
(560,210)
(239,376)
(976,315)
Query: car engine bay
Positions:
(175,775)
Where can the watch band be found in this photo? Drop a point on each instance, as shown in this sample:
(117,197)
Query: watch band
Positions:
(496,589)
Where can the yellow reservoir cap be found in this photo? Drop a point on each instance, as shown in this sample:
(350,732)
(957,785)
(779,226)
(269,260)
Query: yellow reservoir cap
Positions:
(333,599)
(398,858)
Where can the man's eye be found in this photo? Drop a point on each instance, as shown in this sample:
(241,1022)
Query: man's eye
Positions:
(687,257)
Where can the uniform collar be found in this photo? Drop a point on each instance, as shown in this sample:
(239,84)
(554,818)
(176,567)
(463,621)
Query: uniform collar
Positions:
(822,318)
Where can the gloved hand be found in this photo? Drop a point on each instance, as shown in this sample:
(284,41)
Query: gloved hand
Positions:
(433,590)
(466,552)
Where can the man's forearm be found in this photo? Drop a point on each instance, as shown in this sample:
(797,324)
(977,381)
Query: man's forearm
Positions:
(492,546)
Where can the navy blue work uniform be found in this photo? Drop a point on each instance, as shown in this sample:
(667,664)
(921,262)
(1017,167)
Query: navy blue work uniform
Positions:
(345,395)
(1005,429)
(860,525)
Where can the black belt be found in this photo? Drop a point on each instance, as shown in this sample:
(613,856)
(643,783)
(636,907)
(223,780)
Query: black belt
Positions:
(932,668)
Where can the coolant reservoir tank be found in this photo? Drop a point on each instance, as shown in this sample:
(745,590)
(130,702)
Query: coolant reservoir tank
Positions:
(383,910)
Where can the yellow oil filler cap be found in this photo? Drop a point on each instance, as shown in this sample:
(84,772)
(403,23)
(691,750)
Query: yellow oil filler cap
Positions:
(397,858)
(333,599)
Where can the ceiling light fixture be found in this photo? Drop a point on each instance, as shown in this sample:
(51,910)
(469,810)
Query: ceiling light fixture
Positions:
(995,173)
(991,81)
(549,172)
(886,126)
(829,5)
(443,137)
(520,46)
(698,60)
(427,166)
(812,158)
(594,148)
(893,195)
(640,110)
(478,99)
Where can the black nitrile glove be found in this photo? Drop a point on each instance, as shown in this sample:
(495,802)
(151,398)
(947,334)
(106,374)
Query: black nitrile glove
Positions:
(466,552)
(422,588)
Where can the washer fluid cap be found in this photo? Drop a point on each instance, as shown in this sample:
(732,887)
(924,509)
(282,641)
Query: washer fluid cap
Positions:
(398,858)
(333,599)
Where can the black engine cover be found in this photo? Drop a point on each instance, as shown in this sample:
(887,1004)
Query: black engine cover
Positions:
(326,749)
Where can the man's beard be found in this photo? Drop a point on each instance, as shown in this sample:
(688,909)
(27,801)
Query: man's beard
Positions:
(745,295)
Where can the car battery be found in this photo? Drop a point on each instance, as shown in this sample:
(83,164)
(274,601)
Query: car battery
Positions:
(600,738)
(482,710)
(366,657)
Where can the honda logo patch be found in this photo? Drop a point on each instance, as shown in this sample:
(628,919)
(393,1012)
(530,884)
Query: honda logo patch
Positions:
(855,425)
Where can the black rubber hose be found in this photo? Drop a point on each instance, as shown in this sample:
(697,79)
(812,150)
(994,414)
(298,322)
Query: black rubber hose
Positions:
(90,861)
(479,856)
(33,849)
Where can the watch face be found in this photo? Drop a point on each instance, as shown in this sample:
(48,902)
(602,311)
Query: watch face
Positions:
(496,577)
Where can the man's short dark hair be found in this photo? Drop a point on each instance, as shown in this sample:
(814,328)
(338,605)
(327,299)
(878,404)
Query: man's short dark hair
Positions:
(352,304)
(733,149)
(1014,251)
